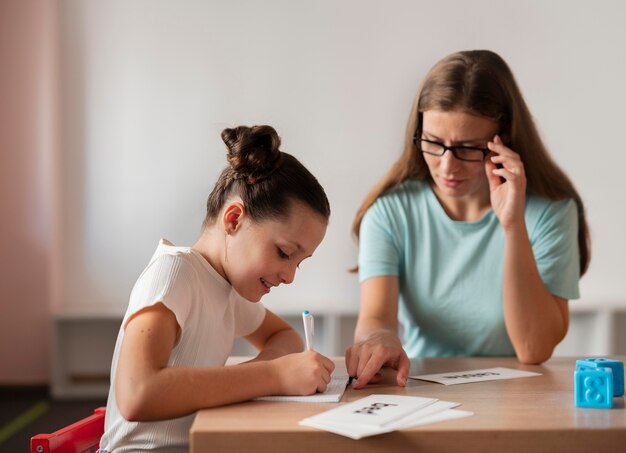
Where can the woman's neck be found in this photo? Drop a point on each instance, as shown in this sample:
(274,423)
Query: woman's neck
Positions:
(469,208)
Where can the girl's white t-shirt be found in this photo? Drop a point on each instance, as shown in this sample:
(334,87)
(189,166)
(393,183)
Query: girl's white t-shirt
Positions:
(210,315)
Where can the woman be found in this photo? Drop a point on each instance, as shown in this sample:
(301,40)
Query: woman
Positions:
(475,239)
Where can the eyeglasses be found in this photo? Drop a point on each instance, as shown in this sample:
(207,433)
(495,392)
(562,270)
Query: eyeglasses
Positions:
(465,153)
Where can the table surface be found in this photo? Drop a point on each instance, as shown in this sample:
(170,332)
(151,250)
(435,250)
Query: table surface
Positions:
(524,414)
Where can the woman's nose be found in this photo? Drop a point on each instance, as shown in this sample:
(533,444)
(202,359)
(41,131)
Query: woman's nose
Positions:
(447,162)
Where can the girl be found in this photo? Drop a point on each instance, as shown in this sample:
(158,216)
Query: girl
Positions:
(265,215)
(475,239)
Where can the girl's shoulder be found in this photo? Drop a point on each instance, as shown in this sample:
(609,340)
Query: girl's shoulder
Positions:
(172,255)
(169,263)
(187,264)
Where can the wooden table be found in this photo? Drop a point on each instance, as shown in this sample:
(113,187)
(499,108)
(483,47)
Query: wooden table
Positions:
(533,414)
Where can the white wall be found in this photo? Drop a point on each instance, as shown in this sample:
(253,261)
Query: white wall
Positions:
(149,84)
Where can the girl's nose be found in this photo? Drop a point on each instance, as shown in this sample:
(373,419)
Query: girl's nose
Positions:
(288,274)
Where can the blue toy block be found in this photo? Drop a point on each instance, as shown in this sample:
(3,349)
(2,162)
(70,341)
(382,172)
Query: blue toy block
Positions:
(593,387)
(616,366)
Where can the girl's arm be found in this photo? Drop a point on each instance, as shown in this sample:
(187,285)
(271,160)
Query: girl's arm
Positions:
(147,389)
(376,334)
(274,338)
(536,321)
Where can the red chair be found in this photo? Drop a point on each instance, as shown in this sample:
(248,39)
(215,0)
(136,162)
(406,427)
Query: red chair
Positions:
(80,437)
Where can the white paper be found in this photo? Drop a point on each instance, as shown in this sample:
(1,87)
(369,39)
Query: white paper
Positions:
(450,414)
(464,377)
(334,391)
(415,418)
(436,412)
(373,410)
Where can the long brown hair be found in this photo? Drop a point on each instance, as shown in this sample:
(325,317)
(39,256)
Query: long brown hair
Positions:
(480,82)
(264,177)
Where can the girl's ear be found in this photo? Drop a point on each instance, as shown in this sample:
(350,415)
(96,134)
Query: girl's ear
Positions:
(233,216)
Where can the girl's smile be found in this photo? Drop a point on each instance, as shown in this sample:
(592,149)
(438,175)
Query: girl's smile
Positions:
(267,285)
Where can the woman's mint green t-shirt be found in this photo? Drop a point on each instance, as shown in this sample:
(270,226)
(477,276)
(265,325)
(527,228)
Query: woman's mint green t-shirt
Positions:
(450,272)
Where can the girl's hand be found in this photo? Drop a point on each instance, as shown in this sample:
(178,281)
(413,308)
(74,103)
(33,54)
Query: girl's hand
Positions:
(303,373)
(507,198)
(365,359)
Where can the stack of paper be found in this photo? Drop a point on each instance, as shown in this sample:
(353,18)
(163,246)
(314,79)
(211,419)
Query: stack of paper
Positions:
(334,391)
(377,414)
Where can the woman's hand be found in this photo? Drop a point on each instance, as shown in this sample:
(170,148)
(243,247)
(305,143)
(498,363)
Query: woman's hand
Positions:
(507,198)
(303,373)
(365,359)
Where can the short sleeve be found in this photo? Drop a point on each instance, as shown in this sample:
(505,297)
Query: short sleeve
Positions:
(248,315)
(167,279)
(379,251)
(554,241)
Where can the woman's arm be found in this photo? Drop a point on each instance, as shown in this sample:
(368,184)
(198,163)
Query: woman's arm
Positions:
(147,389)
(376,334)
(536,321)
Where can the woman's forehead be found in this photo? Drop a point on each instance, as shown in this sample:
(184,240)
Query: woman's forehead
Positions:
(458,123)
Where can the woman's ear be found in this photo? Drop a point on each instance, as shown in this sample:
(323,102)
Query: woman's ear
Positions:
(233,216)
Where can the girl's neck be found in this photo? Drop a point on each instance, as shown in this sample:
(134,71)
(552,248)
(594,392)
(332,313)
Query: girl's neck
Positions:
(210,245)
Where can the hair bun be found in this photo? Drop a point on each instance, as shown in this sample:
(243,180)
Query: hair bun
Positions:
(253,152)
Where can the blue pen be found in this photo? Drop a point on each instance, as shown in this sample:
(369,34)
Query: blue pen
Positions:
(307,320)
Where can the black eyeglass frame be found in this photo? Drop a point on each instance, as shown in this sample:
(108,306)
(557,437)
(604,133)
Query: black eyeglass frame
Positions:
(452,149)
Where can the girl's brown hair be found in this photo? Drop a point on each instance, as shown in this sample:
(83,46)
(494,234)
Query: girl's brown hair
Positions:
(265,178)
(480,82)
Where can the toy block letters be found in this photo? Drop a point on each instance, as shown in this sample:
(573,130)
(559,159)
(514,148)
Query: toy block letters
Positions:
(616,366)
(593,387)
